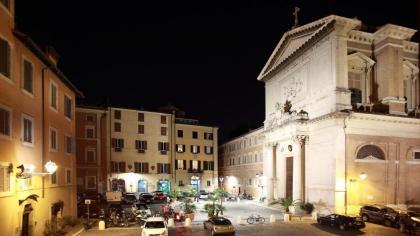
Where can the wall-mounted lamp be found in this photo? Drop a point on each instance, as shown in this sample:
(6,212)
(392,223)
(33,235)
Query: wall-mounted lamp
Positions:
(363,176)
(27,171)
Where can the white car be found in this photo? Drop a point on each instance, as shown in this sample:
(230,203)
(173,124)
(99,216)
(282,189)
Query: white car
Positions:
(154,226)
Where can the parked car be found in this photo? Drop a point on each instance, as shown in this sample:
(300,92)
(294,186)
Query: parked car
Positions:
(145,198)
(154,226)
(380,214)
(203,194)
(129,199)
(231,197)
(159,196)
(219,225)
(341,221)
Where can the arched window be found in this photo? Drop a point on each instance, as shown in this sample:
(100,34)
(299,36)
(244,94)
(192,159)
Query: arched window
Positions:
(370,152)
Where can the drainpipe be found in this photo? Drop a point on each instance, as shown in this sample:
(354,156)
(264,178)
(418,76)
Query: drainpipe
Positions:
(345,165)
(43,125)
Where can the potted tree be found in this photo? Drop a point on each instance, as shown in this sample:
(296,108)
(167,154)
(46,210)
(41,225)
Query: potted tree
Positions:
(286,202)
(189,208)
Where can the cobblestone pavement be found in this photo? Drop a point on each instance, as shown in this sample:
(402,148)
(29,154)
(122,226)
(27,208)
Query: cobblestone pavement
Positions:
(246,208)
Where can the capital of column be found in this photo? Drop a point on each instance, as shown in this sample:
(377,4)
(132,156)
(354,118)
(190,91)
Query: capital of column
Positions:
(301,139)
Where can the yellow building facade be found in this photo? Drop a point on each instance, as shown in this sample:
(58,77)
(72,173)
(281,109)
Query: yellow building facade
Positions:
(36,126)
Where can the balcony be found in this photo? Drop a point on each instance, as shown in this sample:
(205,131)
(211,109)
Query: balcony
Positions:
(195,171)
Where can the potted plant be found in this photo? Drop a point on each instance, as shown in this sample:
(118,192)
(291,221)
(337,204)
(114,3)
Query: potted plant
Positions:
(286,202)
(210,209)
(307,207)
(189,208)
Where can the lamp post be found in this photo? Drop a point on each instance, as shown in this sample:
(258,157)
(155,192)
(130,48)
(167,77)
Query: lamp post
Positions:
(260,175)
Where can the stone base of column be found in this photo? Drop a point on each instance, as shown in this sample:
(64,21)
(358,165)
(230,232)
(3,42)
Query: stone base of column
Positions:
(396,106)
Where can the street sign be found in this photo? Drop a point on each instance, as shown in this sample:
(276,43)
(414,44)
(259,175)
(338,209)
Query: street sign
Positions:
(87,201)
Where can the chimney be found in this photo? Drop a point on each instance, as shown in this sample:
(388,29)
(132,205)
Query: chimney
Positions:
(52,55)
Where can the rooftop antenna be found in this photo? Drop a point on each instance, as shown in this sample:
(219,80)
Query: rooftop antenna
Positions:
(295,14)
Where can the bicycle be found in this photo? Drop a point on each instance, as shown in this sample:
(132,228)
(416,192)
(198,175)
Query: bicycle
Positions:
(255,219)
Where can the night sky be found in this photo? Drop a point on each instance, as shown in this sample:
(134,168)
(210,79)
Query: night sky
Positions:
(201,56)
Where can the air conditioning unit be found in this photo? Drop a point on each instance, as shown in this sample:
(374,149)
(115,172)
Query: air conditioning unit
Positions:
(141,151)
(117,149)
(163,152)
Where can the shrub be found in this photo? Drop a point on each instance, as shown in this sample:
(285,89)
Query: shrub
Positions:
(52,229)
(308,207)
(188,206)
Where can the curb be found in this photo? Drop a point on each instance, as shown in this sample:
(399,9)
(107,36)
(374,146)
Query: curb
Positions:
(261,205)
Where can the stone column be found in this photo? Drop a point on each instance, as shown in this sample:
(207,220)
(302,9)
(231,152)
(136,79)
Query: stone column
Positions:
(269,170)
(299,167)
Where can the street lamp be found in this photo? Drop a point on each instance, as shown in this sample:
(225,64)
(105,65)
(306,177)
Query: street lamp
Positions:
(27,171)
(260,175)
(362,177)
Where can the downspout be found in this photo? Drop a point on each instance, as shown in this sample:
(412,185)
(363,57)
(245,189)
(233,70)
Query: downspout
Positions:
(345,164)
(43,125)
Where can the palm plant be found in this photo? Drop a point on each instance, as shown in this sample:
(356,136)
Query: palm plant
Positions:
(286,203)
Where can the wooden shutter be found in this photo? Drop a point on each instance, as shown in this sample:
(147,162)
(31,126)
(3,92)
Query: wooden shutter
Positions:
(167,146)
(199,165)
(191,164)
(198,148)
(145,145)
(114,142)
(176,164)
(206,165)
(185,164)
(122,143)
(159,168)
(146,167)
(169,168)
(121,166)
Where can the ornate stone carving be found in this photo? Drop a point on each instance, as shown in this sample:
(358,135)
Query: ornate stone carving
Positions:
(293,88)
(301,139)
(283,114)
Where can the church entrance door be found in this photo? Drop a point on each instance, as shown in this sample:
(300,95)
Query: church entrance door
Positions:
(289,177)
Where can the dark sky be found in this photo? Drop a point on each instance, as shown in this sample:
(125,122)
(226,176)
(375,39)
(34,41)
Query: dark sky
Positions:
(201,56)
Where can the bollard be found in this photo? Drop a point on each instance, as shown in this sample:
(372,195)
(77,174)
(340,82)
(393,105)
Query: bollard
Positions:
(171,222)
(239,200)
(286,217)
(239,219)
(272,218)
(187,222)
(101,225)
(314,215)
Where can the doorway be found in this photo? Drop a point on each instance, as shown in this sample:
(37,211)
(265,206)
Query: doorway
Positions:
(25,219)
(142,186)
(289,177)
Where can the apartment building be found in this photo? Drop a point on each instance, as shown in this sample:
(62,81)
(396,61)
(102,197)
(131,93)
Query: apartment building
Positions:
(37,127)
(137,151)
(241,164)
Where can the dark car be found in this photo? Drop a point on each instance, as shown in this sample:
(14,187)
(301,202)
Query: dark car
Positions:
(341,221)
(219,225)
(380,214)
(129,199)
(159,196)
(145,198)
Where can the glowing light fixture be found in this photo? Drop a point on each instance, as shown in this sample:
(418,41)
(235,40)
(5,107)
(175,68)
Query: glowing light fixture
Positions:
(363,176)
(51,167)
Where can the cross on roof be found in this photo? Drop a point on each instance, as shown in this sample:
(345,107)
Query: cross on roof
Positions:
(295,14)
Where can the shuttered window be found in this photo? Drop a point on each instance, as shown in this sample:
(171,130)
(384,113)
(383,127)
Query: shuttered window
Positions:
(4,122)
(6,3)
(27,76)
(68,104)
(4,57)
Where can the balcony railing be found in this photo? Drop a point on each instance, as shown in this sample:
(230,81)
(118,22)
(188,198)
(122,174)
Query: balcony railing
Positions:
(195,171)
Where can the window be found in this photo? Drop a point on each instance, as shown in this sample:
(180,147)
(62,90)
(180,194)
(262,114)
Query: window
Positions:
(141,129)
(89,118)
(208,136)
(416,155)
(27,76)
(117,115)
(90,155)
(53,139)
(208,183)
(180,164)
(68,176)
(68,104)
(208,150)
(4,55)
(163,131)
(180,148)
(27,129)
(180,133)
(163,168)
(370,152)
(53,95)
(163,119)
(180,183)
(68,144)
(194,134)
(141,167)
(141,145)
(90,182)
(117,167)
(117,127)
(6,3)
(250,182)
(4,121)
(140,117)
(195,149)
(256,158)
(90,132)
(163,146)
(194,164)
(53,178)
(208,165)
(117,143)
(4,179)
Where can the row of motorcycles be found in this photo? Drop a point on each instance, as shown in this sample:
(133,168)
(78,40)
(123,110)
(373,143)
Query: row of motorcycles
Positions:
(117,217)
(246,196)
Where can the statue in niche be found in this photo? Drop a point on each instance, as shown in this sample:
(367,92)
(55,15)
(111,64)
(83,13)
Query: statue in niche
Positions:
(287,107)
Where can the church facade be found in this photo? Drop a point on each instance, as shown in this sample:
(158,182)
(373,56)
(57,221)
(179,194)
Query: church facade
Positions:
(342,123)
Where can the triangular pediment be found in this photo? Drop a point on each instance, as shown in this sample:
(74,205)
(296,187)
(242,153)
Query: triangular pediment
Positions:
(295,40)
